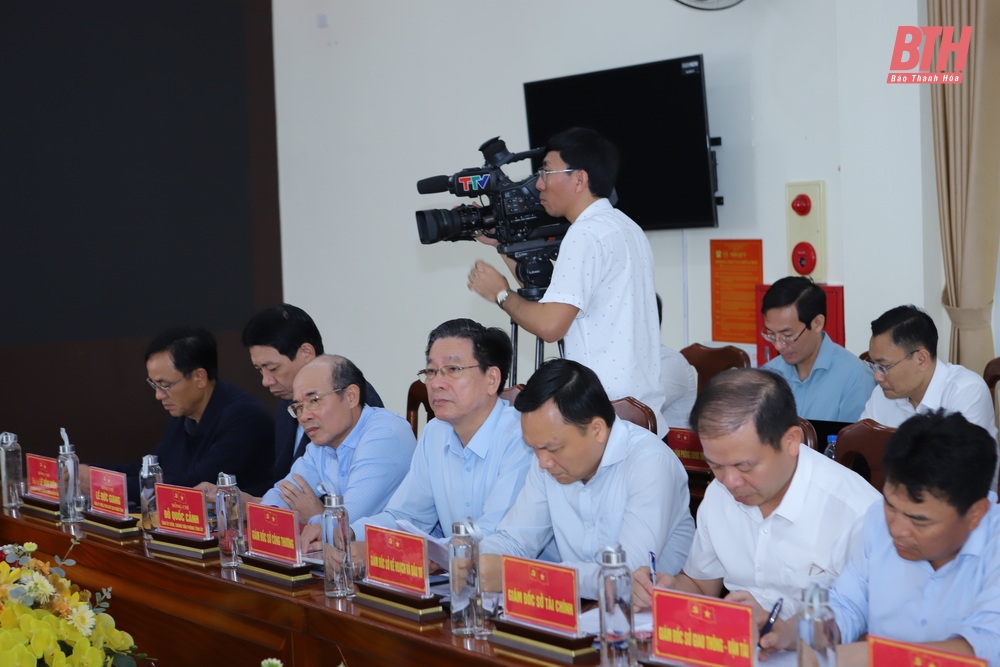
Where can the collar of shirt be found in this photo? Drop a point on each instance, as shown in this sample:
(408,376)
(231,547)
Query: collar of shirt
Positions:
(595,208)
(824,359)
(616,448)
(979,539)
(793,504)
(354,437)
(935,389)
(483,438)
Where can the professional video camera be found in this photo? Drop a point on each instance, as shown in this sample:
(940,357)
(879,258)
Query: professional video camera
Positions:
(513,216)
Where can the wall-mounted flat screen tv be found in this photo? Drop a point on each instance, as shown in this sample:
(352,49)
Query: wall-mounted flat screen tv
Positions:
(656,114)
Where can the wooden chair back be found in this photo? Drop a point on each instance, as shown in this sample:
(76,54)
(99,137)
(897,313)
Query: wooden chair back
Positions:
(416,396)
(809,437)
(687,446)
(710,361)
(636,412)
(860,447)
(992,375)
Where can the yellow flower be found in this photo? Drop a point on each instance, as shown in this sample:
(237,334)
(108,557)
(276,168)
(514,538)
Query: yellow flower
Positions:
(85,655)
(8,575)
(30,547)
(17,656)
(43,641)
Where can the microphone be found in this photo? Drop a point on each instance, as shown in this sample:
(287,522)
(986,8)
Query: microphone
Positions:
(433,184)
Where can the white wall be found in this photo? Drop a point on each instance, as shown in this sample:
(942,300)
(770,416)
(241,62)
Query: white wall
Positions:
(391,92)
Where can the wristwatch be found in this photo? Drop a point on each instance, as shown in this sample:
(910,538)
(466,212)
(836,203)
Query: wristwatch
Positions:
(502,296)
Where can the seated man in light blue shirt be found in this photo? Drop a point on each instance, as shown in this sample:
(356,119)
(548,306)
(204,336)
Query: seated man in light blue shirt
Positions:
(927,569)
(596,480)
(470,461)
(828,382)
(356,451)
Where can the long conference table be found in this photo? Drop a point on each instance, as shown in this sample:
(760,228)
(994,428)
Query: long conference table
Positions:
(187,613)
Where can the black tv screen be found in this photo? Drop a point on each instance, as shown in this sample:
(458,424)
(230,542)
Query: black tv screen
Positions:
(656,114)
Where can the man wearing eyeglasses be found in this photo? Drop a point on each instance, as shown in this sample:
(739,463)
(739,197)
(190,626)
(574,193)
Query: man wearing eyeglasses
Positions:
(214,426)
(356,451)
(911,379)
(602,298)
(471,460)
(281,340)
(828,382)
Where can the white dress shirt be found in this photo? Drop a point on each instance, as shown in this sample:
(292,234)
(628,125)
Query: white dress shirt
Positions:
(605,268)
(806,539)
(680,382)
(638,498)
(952,387)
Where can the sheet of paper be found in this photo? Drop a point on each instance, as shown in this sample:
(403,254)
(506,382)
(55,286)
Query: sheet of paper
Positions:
(437,547)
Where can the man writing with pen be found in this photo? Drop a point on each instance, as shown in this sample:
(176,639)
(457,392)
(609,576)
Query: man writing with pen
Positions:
(778,515)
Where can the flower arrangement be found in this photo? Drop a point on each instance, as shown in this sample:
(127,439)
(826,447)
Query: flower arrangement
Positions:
(45,619)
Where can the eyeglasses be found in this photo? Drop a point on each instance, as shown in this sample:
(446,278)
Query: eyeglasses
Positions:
(450,372)
(884,370)
(544,173)
(310,404)
(165,388)
(774,339)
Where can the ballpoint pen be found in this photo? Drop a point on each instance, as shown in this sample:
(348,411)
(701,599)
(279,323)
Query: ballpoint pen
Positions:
(771,619)
(652,567)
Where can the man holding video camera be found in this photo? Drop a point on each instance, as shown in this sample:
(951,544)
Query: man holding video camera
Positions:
(602,298)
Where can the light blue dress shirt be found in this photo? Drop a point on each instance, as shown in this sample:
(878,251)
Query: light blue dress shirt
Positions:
(365,468)
(837,387)
(883,594)
(638,498)
(448,482)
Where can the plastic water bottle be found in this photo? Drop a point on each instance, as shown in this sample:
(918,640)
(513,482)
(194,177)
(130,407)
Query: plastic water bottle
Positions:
(463,564)
(338,579)
(831,447)
(614,593)
(229,514)
(150,475)
(68,468)
(12,475)
(819,634)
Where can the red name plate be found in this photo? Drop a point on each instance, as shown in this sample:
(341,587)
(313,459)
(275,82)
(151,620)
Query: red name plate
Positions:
(540,594)
(181,510)
(397,560)
(698,630)
(888,652)
(43,477)
(273,532)
(108,493)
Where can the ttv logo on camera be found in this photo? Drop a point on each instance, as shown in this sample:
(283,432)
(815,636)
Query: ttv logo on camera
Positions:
(914,48)
(473,183)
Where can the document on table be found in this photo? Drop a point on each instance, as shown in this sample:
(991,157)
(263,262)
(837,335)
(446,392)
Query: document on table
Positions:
(437,547)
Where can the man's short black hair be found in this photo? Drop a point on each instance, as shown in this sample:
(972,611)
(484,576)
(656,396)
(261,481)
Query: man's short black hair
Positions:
(345,373)
(738,395)
(910,327)
(944,455)
(575,389)
(285,328)
(583,148)
(808,297)
(490,346)
(190,348)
